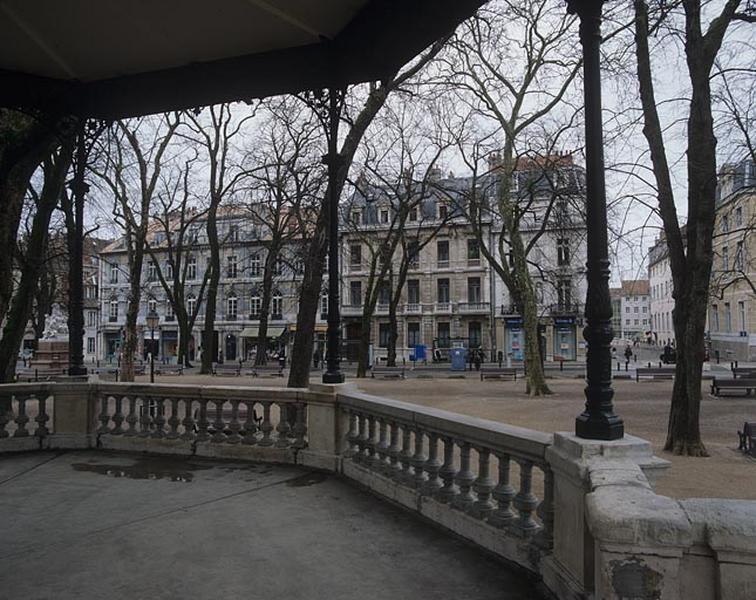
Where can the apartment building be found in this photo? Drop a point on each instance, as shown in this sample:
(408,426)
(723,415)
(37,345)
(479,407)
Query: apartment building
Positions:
(732,310)
(661,287)
(244,246)
(635,315)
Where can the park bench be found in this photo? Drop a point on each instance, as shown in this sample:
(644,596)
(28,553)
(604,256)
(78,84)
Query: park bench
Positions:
(386,372)
(747,438)
(169,369)
(227,370)
(722,385)
(746,372)
(266,370)
(654,373)
(498,373)
(39,374)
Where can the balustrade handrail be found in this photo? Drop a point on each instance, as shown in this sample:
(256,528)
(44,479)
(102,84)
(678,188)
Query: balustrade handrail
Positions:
(516,441)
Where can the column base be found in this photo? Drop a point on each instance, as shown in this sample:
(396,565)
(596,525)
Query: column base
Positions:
(333,377)
(599,427)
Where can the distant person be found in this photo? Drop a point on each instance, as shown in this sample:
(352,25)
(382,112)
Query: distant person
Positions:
(614,354)
(628,353)
(316,358)
(477,356)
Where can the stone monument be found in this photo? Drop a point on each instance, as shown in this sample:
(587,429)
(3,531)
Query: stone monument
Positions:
(52,348)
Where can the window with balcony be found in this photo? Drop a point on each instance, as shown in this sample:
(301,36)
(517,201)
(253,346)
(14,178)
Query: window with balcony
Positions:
(90,345)
(276,304)
(442,288)
(231,270)
(564,293)
(563,252)
(384,216)
(413,335)
(356,217)
(355,257)
(151,271)
(114,273)
(444,335)
(355,293)
(725,259)
(442,253)
(233,233)
(473,252)
(191,305)
(191,268)
(113,312)
(413,215)
(413,254)
(413,291)
(714,317)
(473,334)
(384,295)
(254,265)
(384,332)
(232,305)
(728,317)
(91,318)
(473,290)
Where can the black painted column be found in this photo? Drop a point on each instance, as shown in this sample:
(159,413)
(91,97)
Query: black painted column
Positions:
(334,161)
(598,420)
(79,188)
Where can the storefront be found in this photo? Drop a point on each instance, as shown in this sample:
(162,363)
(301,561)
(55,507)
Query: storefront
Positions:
(565,338)
(112,345)
(248,346)
(169,345)
(514,338)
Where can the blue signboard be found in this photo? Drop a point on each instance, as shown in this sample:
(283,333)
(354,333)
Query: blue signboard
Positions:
(420,352)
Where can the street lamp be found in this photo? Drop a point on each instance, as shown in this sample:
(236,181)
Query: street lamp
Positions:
(152,323)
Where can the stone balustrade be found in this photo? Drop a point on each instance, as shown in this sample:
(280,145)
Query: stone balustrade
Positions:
(581,515)
(474,476)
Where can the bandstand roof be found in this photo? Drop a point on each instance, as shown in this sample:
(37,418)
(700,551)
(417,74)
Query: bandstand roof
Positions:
(115,58)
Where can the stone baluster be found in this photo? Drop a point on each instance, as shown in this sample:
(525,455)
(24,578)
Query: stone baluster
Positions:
(203,424)
(447,474)
(145,420)
(159,419)
(432,467)
(188,421)
(21,418)
(218,424)
(6,417)
(483,485)
(405,456)
(525,501)
(395,468)
(464,479)
(173,420)
(300,427)
(131,418)
(353,435)
(250,427)
(503,493)
(546,507)
(384,461)
(283,428)
(118,416)
(104,417)
(362,442)
(372,459)
(234,426)
(266,427)
(42,418)
(418,460)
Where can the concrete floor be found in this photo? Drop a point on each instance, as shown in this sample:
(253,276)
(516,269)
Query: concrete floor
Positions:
(95,525)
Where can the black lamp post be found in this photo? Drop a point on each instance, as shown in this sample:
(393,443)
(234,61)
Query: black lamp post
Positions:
(334,161)
(598,420)
(152,323)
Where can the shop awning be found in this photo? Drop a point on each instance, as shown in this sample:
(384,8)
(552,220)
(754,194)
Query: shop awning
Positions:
(274,331)
(319,328)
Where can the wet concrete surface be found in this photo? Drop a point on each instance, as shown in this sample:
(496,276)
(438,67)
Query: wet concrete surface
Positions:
(95,524)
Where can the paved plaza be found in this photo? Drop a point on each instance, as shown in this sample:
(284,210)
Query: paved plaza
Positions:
(90,524)
(726,473)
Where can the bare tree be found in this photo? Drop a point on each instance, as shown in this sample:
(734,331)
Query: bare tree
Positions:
(520,93)
(358,119)
(134,156)
(216,129)
(177,221)
(690,258)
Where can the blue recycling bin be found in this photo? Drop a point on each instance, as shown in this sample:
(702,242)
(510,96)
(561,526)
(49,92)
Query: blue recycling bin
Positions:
(458,356)
(419,352)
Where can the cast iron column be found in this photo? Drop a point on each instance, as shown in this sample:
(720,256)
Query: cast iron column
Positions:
(598,420)
(334,161)
(79,188)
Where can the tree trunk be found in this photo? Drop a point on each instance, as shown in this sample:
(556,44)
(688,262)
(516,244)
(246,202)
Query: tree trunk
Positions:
(131,339)
(262,335)
(363,352)
(185,333)
(393,336)
(208,333)
(21,303)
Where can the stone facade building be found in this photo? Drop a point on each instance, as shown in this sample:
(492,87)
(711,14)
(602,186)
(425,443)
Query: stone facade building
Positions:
(243,250)
(635,320)
(660,287)
(732,310)
(453,297)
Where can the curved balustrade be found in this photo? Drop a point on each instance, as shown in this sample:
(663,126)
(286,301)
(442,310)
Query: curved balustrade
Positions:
(26,412)
(459,461)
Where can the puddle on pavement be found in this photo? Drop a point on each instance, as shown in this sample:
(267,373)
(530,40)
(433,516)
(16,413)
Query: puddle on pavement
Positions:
(145,468)
(307,479)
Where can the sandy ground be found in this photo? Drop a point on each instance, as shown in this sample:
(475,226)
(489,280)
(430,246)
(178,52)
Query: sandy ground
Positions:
(644,406)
